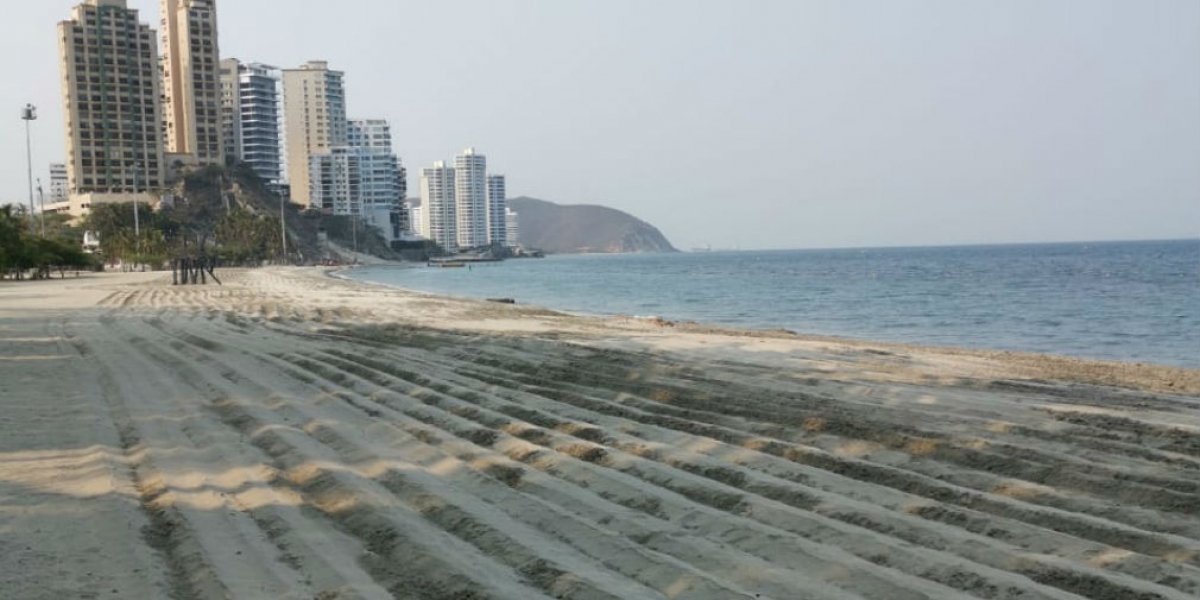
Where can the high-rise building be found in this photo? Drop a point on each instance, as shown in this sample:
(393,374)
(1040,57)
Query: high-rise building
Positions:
(362,179)
(383,181)
(192,81)
(250,109)
(512,224)
(416,216)
(59,189)
(112,104)
(470,192)
(314,109)
(372,135)
(497,205)
(335,185)
(438,206)
(231,108)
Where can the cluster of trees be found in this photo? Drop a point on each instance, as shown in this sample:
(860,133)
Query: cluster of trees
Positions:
(154,238)
(51,247)
(227,215)
(207,221)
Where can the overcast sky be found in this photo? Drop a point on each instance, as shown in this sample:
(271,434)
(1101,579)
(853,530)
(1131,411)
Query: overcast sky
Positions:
(749,123)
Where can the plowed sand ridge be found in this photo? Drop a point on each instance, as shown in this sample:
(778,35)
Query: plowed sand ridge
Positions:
(291,435)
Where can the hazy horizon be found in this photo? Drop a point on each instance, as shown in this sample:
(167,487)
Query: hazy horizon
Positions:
(786,125)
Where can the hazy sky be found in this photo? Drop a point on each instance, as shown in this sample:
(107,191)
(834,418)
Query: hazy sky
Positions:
(755,123)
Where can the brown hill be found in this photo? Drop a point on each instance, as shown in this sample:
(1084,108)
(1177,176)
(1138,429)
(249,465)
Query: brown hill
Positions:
(573,229)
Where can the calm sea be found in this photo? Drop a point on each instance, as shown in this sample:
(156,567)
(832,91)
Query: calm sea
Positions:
(1128,301)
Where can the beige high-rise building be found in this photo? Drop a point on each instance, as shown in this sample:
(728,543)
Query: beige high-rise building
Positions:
(231,107)
(192,81)
(314,115)
(111,103)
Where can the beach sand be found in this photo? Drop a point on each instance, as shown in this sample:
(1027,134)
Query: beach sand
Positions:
(292,435)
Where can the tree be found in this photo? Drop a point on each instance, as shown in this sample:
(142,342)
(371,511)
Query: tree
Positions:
(51,255)
(16,251)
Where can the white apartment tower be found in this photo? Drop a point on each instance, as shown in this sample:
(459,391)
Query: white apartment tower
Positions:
(470,191)
(438,206)
(382,173)
(314,113)
(251,128)
(497,205)
(112,105)
(512,223)
(335,184)
(416,217)
(192,81)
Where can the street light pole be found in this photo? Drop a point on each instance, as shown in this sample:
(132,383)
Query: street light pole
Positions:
(137,226)
(42,206)
(283,227)
(28,114)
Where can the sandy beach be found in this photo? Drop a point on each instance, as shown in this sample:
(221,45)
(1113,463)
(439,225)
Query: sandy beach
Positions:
(293,435)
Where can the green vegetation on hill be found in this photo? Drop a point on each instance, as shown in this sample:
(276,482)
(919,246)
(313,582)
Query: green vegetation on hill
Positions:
(559,229)
(229,214)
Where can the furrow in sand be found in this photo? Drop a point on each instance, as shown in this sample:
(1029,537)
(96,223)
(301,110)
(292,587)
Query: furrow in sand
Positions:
(714,555)
(703,497)
(986,456)
(763,579)
(730,498)
(995,543)
(448,465)
(536,559)
(214,508)
(474,516)
(888,426)
(987,482)
(1004,505)
(934,487)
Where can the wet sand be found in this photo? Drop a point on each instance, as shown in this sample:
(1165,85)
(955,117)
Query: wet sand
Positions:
(292,435)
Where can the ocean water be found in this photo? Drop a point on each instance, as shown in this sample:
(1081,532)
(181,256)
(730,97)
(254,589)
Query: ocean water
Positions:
(1127,301)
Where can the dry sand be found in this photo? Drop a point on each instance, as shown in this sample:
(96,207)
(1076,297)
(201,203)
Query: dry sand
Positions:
(291,435)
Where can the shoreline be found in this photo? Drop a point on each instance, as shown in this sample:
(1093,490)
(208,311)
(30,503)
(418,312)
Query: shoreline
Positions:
(1084,369)
(295,435)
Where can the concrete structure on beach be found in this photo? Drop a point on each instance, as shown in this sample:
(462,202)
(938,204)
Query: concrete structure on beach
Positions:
(112,106)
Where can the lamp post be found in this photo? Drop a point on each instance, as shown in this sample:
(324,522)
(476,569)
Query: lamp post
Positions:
(283,227)
(137,226)
(41,206)
(354,233)
(28,114)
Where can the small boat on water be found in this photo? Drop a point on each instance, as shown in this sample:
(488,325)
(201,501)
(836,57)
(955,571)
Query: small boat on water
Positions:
(451,264)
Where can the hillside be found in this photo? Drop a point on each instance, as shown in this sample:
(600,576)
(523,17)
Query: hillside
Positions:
(563,229)
(213,192)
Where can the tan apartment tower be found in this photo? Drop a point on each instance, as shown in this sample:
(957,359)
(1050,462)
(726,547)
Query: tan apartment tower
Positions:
(314,116)
(191,74)
(111,104)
